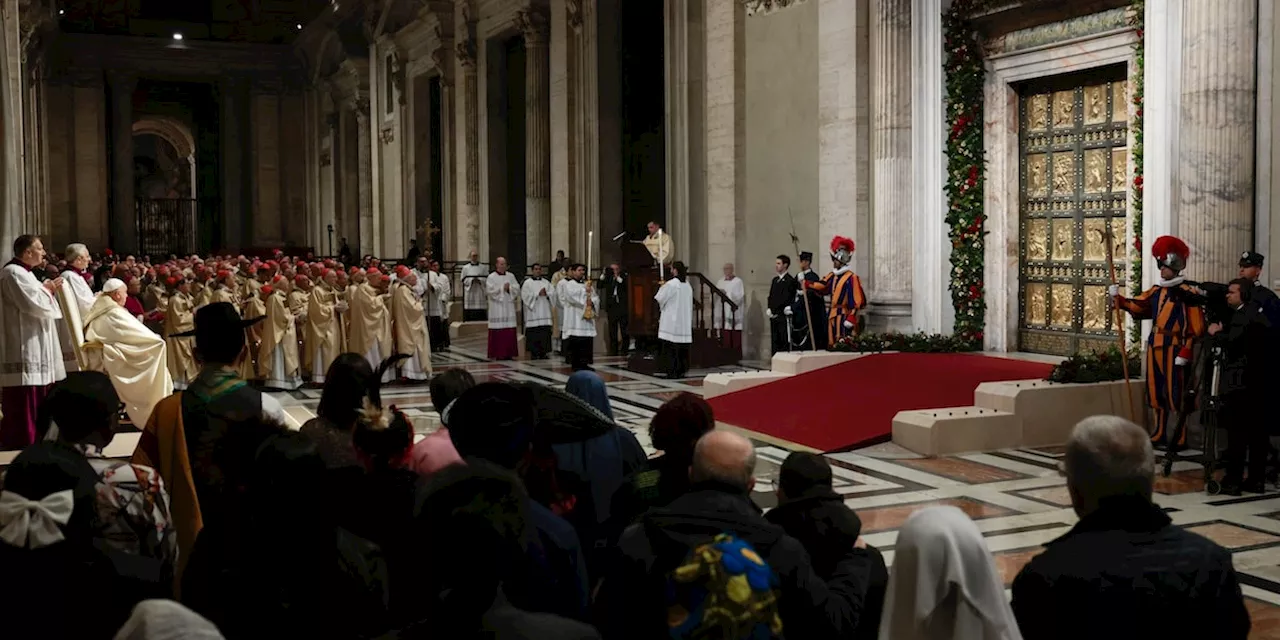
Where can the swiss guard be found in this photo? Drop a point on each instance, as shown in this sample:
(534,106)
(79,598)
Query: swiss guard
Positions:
(845,289)
(1177,321)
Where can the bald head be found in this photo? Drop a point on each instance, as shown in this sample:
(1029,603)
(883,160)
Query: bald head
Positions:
(1106,457)
(725,457)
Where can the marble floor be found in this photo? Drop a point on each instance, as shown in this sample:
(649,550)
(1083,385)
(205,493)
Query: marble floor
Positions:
(1017,497)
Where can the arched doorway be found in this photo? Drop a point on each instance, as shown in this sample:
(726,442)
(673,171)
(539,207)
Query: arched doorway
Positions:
(165,185)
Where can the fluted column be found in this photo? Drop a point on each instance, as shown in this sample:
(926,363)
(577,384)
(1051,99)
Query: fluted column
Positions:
(586,157)
(124,221)
(364,176)
(725,117)
(1219,102)
(469,212)
(535,25)
(891,164)
(930,301)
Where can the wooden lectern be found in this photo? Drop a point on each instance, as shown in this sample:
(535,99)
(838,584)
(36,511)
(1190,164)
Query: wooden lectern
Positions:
(643,283)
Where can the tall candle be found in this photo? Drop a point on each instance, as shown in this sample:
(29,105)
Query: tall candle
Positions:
(590,247)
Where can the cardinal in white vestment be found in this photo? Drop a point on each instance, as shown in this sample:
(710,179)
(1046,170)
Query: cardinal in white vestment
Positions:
(278,351)
(557,308)
(435,291)
(132,355)
(675,321)
(30,351)
(536,294)
(179,317)
(77,276)
(474,301)
(503,292)
(368,334)
(577,293)
(728,319)
(410,324)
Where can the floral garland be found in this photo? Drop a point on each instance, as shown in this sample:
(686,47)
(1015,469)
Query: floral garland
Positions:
(966,167)
(1137,81)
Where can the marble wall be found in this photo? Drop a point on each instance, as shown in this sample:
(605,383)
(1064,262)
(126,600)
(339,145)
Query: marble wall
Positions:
(781,155)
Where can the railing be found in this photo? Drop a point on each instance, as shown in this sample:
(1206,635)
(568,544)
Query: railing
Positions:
(709,301)
(167,226)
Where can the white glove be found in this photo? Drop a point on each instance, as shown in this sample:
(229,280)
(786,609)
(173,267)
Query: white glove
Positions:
(1113,290)
(770,312)
(1181,361)
(787,311)
(617,280)
(848,325)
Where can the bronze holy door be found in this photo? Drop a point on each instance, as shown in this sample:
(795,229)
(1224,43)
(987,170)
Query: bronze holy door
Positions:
(1072,188)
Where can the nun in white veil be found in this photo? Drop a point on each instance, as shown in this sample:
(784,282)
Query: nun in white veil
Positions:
(944,584)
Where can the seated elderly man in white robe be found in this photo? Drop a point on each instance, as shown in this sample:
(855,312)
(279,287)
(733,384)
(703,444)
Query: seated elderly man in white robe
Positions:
(119,345)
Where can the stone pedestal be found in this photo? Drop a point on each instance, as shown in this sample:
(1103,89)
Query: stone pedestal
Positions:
(1216,159)
(533,22)
(891,165)
(124,220)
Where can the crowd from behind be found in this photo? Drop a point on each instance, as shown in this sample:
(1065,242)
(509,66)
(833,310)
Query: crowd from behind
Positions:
(532,514)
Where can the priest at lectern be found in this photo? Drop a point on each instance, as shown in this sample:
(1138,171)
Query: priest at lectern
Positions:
(658,242)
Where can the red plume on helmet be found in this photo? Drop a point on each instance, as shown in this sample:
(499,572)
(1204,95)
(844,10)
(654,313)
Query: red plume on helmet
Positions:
(841,242)
(1166,245)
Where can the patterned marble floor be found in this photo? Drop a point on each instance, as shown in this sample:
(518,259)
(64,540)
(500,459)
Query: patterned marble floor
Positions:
(1017,497)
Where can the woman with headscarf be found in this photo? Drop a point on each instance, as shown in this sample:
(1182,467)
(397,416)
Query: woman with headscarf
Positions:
(600,464)
(944,584)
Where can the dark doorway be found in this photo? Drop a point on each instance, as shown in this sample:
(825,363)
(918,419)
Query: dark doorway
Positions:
(513,111)
(644,193)
(428,156)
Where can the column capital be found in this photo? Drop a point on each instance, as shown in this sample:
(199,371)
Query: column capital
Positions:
(573,13)
(535,23)
(360,106)
(465,50)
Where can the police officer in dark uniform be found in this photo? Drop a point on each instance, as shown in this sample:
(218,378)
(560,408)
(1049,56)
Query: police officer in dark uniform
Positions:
(817,305)
(1244,387)
(1251,269)
(782,292)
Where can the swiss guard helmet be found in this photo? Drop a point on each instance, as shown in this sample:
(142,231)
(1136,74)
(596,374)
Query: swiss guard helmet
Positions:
(841,250)
(1171,252)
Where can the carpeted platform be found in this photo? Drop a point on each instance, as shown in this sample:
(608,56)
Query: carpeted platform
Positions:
(853,403)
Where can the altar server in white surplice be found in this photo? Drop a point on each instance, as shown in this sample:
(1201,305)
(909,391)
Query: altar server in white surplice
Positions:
(504,293)
(133,356)
(77,275)
(675,321)
(474,301)
(435,297)
(727,320)
(30,351)
(577,293)
(536,293)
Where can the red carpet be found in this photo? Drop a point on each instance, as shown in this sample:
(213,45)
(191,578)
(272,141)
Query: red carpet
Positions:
(853,404)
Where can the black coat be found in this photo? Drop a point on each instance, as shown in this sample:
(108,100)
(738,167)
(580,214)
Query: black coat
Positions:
(782,292)
(631,601)
(1125,571)
(828,528)
(613,294)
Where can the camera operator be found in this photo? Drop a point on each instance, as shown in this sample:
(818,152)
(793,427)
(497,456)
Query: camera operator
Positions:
(1243,387)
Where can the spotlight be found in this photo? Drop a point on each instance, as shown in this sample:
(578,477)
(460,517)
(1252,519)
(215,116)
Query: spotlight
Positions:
(177,36)
(299,27)
(62,12)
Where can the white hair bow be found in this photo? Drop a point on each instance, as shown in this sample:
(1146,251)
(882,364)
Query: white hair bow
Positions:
(34,524)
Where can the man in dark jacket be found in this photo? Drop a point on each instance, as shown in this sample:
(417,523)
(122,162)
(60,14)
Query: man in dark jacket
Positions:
(810,511)
(631,601)
(782,293)
(1124,571)
(613,295)
(1244,387)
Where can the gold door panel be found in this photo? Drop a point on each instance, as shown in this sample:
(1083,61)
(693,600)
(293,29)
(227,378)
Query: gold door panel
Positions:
(1073,190)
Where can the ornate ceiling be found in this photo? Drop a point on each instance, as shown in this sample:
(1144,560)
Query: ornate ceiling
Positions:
(251,21)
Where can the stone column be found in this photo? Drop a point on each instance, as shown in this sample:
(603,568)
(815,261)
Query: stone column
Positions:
(843,160)
(535,25)
(676,48)
(891,165)
(725,117)
(364,178)
(1216,159)
(235,138)
(930,301)
(124,220)
(586,150)
(469,212)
